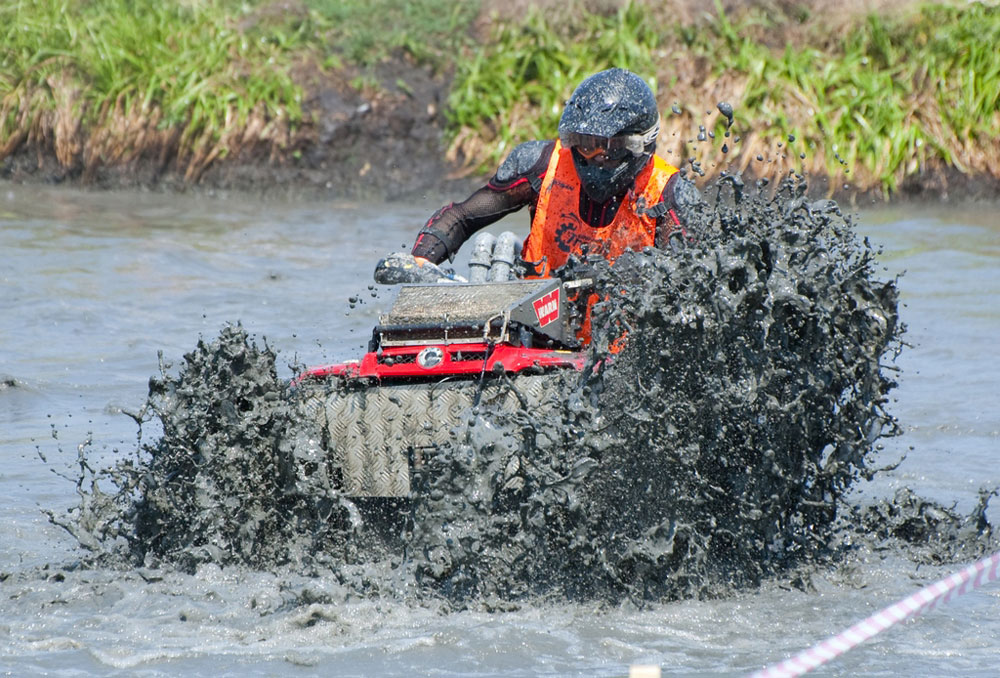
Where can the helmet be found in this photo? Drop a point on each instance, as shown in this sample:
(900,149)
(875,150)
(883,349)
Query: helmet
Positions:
(610,124)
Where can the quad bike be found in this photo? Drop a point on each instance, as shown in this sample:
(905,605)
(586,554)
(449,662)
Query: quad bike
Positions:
(446,348)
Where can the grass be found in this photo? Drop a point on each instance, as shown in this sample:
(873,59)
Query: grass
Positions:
(894,96)
(144,75)
(878,100)
(365,32)
(513,90)
(888,98)
(104,81)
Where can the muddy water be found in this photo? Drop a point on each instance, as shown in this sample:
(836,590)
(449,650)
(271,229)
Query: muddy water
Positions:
(94,285)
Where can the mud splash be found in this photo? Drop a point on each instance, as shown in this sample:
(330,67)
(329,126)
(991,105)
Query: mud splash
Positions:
(754,375)
(228,480)
(712,452)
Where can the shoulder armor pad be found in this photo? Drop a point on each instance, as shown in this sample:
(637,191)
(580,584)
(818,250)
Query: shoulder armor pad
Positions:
(686,194)
(523,161)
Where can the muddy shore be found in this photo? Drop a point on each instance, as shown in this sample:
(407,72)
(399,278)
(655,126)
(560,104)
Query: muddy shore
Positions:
(388,139)
(381,144)
(387,145)
(390,146)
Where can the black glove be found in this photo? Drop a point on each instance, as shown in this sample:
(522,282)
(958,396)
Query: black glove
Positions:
(400,267)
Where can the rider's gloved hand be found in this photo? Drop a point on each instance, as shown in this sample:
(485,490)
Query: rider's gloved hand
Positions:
(400,267)
(444,275)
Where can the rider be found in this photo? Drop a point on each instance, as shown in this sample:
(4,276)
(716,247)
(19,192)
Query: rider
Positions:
(598,188)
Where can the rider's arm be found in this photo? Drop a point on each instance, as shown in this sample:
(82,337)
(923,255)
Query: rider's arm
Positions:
(515,185)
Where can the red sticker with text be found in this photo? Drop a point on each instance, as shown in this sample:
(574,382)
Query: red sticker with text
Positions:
(547,308)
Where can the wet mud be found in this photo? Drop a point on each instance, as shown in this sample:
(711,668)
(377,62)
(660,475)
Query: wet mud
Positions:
(715,450)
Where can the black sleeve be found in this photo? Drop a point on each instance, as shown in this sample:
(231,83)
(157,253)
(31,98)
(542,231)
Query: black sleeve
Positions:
(515,185)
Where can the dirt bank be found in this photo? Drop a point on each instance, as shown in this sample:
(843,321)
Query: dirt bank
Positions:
(388,140)
(380,142)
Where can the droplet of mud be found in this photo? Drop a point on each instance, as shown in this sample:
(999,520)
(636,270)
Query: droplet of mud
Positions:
(727,110)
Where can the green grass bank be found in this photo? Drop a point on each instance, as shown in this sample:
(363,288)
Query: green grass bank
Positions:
(350,94)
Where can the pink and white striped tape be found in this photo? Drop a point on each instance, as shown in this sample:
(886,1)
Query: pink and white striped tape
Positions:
(960,583)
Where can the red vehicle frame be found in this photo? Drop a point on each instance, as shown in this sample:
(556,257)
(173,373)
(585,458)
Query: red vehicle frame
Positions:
(443,360)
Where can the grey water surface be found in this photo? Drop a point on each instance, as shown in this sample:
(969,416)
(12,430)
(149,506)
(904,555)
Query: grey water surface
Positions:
(94,285)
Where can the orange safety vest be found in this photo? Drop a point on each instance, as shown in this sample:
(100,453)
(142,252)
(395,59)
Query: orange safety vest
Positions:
(557,230)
